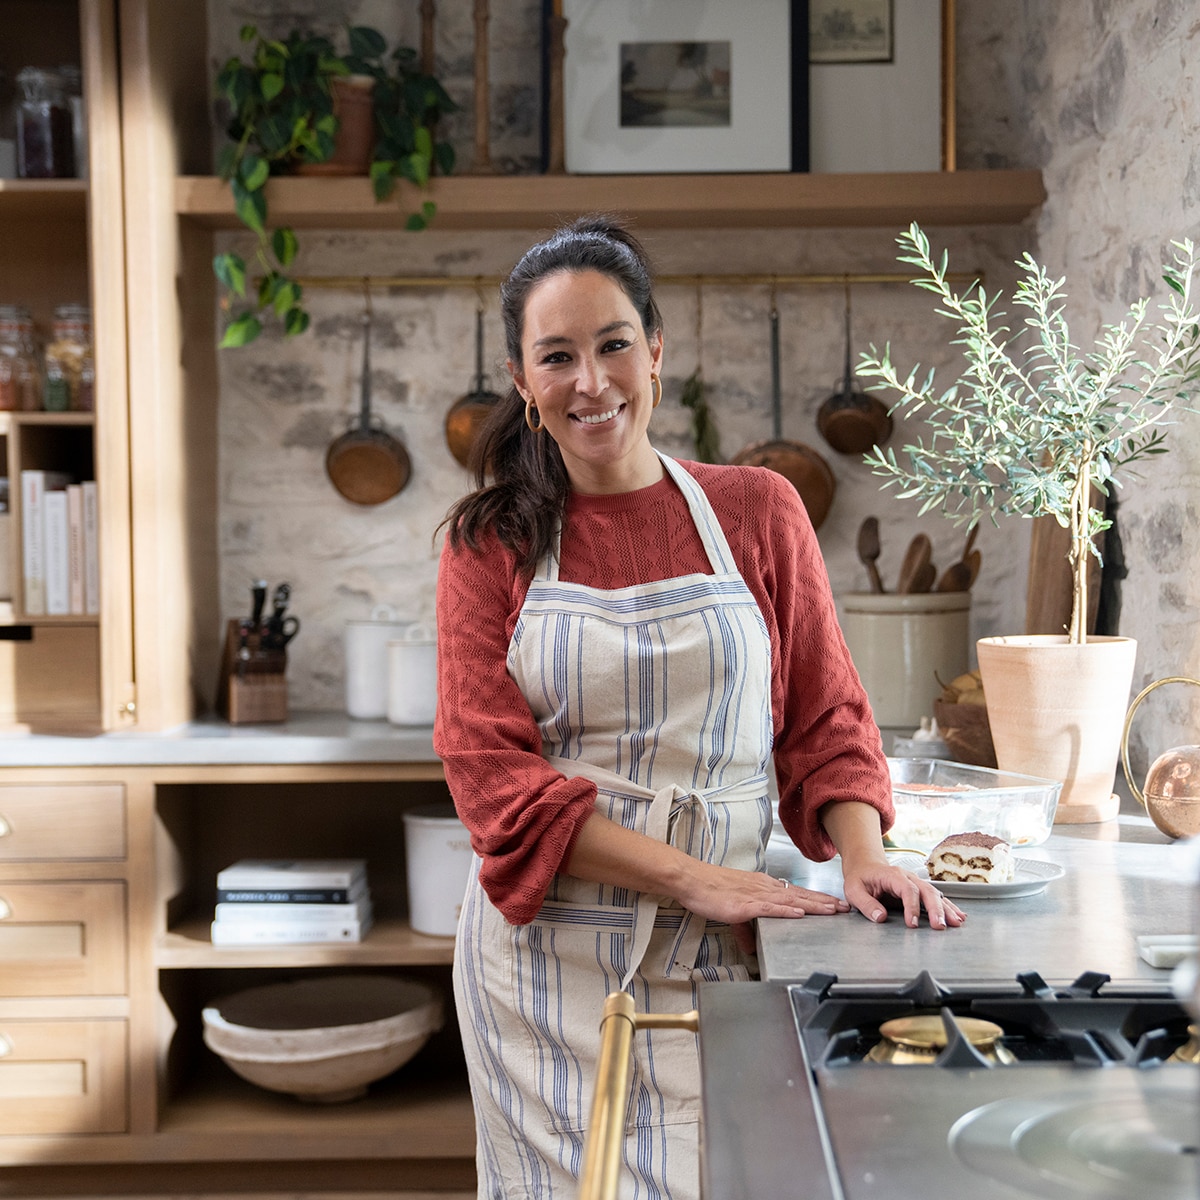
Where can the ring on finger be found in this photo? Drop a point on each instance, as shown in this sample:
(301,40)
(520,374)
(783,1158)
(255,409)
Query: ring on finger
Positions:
(785,883)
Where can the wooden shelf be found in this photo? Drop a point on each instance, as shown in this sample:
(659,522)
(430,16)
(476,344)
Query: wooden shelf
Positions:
(419,1112)
(390,942)
(661,201)
(43,199)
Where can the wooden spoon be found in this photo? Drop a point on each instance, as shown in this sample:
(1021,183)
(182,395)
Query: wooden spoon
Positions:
(972,560)
(868,551)
(955,578)
(924,578)
(916,558)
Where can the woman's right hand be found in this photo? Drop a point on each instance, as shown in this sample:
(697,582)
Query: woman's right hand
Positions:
(736,897)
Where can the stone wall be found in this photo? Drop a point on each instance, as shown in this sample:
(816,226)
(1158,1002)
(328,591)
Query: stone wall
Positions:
(1089,92)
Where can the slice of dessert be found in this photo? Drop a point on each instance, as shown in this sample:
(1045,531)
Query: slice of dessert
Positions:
(971,857)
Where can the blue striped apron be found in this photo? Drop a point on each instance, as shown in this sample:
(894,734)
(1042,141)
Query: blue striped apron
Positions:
(661,694)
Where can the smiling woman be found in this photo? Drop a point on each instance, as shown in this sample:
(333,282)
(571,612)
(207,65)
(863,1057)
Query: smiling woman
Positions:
(624,643)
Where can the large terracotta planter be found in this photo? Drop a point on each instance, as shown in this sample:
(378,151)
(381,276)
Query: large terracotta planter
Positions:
(1057,711)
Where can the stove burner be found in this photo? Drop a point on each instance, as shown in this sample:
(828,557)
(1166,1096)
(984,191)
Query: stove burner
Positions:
(1068,1146)
(918,1040)
(1189,1052)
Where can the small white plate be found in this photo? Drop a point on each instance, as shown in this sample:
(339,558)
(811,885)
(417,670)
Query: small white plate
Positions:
(1032,875)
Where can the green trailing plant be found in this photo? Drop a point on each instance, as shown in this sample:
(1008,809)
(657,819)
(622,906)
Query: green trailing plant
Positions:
(282,114)
(704,429)
(1033,424)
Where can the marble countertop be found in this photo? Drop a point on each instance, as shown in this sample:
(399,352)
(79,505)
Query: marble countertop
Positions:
(1123,879)
(305,738)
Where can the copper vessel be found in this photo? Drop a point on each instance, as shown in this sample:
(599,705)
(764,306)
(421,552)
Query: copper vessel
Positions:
(1171,795)
(1189,1052)
(918,1040)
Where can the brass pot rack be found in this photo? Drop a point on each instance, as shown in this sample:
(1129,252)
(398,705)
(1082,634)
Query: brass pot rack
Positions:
(752,279)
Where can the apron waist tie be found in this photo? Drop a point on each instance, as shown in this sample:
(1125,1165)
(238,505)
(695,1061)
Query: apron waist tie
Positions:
(664,819)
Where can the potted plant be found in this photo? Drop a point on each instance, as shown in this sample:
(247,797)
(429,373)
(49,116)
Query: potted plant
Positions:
(290,106)
(1033,426)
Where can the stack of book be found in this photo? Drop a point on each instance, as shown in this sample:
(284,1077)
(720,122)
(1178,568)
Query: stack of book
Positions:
(281,901)
(60,560)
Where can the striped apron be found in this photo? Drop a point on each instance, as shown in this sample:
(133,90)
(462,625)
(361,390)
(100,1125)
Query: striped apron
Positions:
(660,694)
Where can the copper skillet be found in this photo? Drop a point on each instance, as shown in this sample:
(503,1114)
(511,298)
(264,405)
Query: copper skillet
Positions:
(801,465)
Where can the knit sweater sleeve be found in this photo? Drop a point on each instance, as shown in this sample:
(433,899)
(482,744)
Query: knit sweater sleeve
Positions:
(522,815)
(827,745)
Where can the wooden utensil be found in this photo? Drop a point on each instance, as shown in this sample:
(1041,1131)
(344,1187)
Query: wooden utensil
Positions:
(955,578)
(972,560)
(868,551)
(916,558)
(923,579)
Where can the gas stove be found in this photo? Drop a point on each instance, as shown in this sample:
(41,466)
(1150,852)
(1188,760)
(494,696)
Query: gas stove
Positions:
(925,1089)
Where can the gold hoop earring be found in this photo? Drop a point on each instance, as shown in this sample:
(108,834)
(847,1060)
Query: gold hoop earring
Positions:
(657,388)
(530,409)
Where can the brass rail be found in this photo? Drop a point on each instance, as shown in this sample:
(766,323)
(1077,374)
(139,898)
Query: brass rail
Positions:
(754,279)
(606,1130)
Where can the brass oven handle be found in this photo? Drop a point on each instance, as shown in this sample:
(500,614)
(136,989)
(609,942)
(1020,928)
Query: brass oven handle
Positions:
(606,1131)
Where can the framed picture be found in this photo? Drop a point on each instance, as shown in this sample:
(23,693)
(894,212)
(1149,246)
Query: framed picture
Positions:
(885,114)
(657,86)
(846,31)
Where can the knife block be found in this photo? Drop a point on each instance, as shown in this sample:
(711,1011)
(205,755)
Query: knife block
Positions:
(252,688)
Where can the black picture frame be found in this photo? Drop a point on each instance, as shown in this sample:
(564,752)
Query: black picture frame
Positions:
(797,91)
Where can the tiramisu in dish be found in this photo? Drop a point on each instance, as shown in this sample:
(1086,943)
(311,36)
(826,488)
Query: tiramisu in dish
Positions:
(972,857)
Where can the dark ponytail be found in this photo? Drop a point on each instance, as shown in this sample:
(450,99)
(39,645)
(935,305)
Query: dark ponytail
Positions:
(524,503)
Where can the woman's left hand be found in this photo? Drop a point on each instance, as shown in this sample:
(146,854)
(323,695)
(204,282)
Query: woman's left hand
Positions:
(871,884)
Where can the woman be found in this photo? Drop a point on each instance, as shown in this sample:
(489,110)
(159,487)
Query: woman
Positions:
(624,643)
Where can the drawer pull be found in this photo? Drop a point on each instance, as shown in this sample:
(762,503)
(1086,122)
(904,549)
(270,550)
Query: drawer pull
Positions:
(5,908)
(5,827)
(6,1047)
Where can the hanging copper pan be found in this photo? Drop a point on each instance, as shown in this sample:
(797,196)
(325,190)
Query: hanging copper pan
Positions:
(852,421)
(468,413)
(801,465)
(367,464)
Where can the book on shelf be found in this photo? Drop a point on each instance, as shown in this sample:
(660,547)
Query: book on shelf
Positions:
(297,911)
(91,547)
(333,895)
(281,874)
(75,552)
(34,486)
(56,546)
(283,933)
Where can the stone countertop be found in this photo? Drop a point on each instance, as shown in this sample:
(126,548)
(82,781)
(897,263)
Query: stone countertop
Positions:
(1123,879)
(305,738)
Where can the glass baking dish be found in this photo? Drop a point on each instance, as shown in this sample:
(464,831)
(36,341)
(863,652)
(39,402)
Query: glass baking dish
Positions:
(935,798)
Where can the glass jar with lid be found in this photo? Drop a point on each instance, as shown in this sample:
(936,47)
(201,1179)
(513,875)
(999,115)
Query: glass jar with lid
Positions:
(20,371)
(45,136)
(69,374)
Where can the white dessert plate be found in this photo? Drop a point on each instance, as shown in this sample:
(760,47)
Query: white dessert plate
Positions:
(1031,876)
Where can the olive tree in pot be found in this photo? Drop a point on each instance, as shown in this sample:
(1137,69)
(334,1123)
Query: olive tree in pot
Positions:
(290,106)
(1033,426)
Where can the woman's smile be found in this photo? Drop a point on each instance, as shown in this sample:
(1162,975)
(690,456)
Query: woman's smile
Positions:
(599,418)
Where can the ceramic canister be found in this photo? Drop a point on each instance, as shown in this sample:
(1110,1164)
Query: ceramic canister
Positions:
(412,677)
(367,662)
(437,853)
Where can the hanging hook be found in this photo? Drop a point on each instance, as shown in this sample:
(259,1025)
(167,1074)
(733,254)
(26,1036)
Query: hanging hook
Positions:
(480,301)
(774,310)
(366,286)
(699,323)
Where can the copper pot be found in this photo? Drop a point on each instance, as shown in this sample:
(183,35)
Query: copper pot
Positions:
(799,464)
(468,413)
(1171,795)
(852,421)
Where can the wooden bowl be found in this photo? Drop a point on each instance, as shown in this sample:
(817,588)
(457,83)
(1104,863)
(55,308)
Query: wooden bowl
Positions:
(966,730)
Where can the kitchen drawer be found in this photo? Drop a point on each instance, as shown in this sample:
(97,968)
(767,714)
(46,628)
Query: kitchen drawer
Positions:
(61,821)
(62,938)
(63,1076)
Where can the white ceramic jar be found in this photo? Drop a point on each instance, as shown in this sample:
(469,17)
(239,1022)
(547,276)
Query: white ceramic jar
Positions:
(412,677)
(367,662)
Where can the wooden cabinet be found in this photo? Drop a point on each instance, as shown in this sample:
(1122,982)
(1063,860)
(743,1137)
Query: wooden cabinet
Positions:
(64,243)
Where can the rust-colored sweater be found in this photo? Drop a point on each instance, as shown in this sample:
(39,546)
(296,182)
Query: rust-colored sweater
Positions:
(523,816)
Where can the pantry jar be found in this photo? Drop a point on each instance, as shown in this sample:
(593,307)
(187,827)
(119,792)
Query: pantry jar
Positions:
(45,136)
(70,374)
(20,372)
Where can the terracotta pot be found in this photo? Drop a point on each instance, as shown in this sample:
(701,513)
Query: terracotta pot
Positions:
(1057,710)
(354,107)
